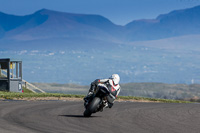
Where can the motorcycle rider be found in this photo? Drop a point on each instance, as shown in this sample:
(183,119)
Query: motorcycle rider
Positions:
(112,83)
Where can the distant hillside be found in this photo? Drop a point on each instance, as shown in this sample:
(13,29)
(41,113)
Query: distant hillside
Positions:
(161,90)
(152,90)
(63,88)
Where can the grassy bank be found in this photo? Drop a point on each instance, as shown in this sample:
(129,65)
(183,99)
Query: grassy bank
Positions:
(29,95)
(11,95)
(145,99)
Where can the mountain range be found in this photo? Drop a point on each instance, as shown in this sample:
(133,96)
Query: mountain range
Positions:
(45,24)
(164,49)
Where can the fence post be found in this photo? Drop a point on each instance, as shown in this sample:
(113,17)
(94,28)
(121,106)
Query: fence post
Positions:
(25,85)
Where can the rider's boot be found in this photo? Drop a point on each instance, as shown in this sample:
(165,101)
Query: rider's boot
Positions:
(89,95)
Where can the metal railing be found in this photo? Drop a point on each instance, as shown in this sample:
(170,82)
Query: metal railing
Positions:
(26,84)
(32,87)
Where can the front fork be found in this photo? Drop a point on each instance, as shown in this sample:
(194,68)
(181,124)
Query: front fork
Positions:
(104,103)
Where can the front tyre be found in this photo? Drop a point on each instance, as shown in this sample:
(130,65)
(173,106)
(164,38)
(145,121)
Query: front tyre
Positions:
(92,107)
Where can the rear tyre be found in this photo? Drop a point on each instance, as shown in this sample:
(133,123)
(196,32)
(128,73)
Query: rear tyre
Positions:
(92,107)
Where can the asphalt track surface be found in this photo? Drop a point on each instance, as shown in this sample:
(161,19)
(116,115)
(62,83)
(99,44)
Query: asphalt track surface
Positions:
(124,117)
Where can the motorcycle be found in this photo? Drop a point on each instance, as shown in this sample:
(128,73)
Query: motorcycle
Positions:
(101,98)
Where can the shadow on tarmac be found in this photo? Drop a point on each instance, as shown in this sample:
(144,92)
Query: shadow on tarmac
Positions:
(77,116)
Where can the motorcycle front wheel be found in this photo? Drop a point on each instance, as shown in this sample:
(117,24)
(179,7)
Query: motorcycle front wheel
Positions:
(92,107)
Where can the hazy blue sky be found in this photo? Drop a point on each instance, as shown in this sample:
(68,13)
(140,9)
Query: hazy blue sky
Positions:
(118,11)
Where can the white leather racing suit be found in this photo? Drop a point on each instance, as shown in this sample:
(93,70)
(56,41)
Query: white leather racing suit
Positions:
(113,88)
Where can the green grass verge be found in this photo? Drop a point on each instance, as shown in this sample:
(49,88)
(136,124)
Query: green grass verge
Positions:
(11,95)
(152,99)
(26,90)
(29,94)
